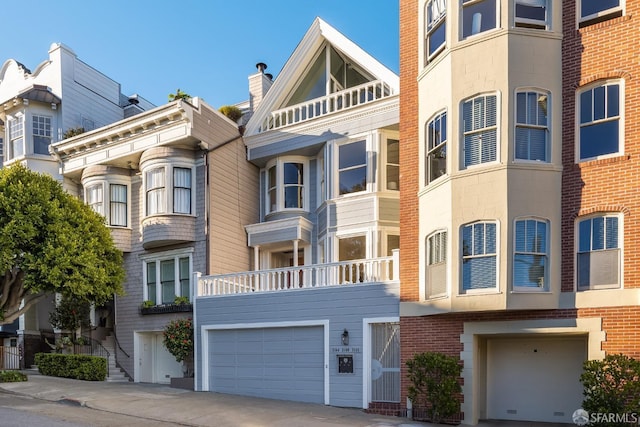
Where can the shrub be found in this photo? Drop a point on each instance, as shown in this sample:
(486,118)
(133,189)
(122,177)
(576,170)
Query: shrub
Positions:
(434,384)
(77,366)
(232,112)
(181,300)
(71,132)
(611,386)
(178,338)
(12,376)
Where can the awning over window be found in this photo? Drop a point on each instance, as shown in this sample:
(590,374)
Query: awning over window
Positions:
(39,93)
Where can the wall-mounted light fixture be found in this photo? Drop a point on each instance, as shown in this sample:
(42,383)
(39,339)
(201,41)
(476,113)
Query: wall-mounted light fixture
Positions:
(345,337)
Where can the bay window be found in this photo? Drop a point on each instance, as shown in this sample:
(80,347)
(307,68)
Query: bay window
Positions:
(285,185)
(118,205)
(352,167)
(16,137)
(436,283)
(168,189)
(393,164)
(479,256)
(532,14)
(110,200)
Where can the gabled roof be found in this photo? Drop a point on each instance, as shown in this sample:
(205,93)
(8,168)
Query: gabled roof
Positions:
(302,58)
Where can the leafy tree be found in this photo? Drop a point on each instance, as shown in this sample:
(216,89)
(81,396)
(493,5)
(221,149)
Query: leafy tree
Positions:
(232,112)
(70,314)
(434,384)
(51,242)
(611,386)
(179,95)
(178,339)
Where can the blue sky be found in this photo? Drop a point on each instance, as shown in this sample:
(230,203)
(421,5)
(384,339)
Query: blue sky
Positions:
(206,48)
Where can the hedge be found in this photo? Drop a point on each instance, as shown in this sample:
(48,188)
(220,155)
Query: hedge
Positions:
(12,376)
(77,366)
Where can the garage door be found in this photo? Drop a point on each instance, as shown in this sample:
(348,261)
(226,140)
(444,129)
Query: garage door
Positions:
(534,379)
(276,363)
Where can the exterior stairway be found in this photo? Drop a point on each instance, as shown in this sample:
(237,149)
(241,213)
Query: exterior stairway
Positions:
(115,374)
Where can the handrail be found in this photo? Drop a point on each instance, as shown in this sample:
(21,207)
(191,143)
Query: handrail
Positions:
(95,348)
(115,339)
(343,273)
(318,107)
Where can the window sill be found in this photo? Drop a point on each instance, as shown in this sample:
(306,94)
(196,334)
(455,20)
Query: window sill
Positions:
(167,308)
(603,161)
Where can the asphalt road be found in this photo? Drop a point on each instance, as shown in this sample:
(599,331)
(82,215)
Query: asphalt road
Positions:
(23,411)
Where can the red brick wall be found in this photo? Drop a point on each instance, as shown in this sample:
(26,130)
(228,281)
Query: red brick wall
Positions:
(604,50)
(409,161)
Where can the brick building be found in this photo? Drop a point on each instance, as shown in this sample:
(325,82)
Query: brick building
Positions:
(517,195)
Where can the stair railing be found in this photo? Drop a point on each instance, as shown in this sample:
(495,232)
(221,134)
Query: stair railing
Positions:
(94,348)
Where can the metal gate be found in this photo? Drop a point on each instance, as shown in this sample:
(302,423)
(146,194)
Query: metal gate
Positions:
(385,362)
(9,357)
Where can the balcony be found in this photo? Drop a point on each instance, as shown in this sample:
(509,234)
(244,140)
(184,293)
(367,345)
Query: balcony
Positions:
(319,107)
(345,273)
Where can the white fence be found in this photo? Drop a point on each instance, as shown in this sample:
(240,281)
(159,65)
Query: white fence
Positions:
(345,273)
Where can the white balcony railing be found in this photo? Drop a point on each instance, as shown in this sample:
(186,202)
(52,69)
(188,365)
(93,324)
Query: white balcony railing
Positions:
(345,273)
(318,107)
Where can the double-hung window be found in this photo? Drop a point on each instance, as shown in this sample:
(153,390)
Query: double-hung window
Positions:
(531,255)
(352,167)
(592,11)
(436,264)
(393,164)
(435,12)
(41,134)
(293,185)
(16,137)
(478,16)
(436,147)
(167,277)
(109,200)
(598,260)
(600,110)
(182,190)
(168,189)
(532,126)
(532,14)
(479,256)
(480,128)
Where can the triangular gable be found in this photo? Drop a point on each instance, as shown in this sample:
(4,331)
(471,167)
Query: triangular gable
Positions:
(302,59)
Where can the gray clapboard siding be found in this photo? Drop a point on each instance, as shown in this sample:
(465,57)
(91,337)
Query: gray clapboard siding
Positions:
(352,212)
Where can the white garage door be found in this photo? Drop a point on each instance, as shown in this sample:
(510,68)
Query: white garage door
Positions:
(534,379)
(276,363)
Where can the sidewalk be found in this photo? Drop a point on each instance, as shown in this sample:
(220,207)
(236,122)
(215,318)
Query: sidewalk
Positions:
(189,408)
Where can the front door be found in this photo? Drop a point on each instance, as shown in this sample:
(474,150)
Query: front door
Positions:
(385,362)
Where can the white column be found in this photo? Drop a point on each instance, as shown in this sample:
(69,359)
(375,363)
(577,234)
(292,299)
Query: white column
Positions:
(256,258)
(295,253)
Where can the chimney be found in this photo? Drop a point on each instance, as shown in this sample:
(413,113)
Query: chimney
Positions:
(259,84)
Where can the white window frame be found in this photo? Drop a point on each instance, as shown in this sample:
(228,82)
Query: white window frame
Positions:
(338,170)
(157,258)
(529,124)
(279,187)
(16,124)
(599,16)
(168,168)
(42,127)
(105,186)
(477,21)
(619,248)
(619,117)
(388,164)
(544,286)
(442,143)
(480,130)
(495,255)
(431,27)
(437,258)
(536,24)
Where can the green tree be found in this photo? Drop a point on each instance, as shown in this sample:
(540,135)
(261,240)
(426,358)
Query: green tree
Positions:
(179,95)
(232,112)
(434,384)
(611,386)
(70,314)
(178,339)
(51,242)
